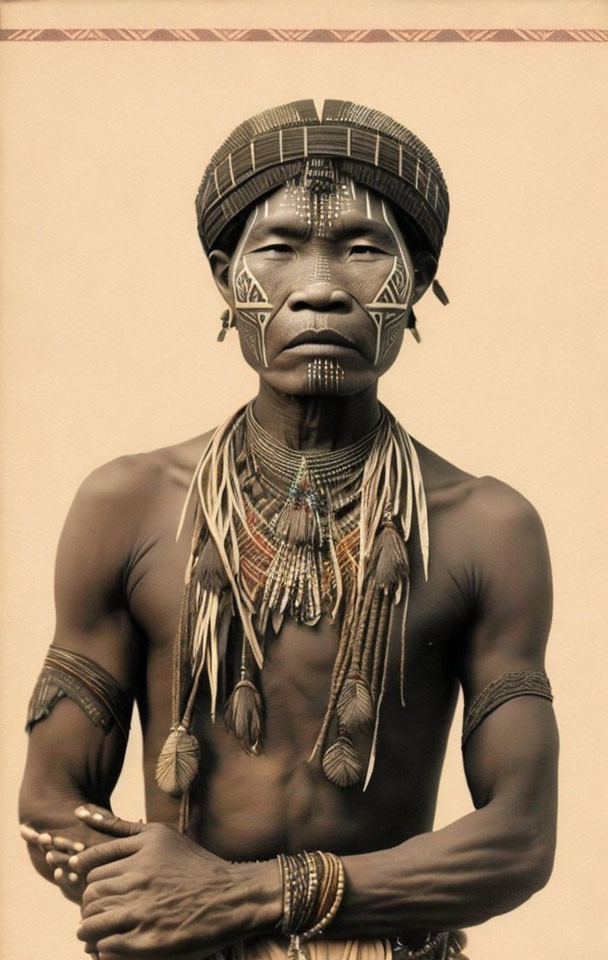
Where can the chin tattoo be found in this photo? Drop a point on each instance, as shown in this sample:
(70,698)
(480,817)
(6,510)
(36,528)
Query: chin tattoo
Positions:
(325,376)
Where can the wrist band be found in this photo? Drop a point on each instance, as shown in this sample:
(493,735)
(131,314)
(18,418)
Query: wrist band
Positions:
(313,887)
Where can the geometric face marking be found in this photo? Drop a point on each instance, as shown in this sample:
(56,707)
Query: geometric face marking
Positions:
(320,272)
(251,301)
(325,375)
(391,305)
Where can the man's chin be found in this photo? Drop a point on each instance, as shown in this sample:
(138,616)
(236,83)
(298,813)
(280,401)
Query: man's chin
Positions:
(319,382)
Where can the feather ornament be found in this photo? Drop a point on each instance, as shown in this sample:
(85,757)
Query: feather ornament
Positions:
(211,572)
(354,707)
(243,714)
(392,563)
(341,763)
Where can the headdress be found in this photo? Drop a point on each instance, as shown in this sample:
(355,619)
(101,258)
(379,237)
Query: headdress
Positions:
(262,153)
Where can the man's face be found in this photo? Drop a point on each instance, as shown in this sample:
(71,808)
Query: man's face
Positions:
(321,286)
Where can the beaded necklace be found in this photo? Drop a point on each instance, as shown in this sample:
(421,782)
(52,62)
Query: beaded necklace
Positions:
(328,536)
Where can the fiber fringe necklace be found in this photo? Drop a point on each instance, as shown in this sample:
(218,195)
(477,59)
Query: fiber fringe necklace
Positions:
(327,533)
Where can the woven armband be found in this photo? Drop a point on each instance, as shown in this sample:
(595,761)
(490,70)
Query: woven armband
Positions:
(313,887)
(517,683)
(69,674)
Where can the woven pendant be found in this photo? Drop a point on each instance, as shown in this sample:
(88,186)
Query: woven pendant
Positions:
(354,706)
(177,764)
(341,763)
(243,715)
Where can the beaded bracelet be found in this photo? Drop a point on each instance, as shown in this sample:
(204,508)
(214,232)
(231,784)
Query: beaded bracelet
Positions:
(313,887)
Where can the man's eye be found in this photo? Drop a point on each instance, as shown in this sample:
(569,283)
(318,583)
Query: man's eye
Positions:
(361,249)
(274,248)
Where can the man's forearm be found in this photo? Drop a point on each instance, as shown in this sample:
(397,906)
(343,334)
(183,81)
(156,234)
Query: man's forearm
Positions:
(482,865)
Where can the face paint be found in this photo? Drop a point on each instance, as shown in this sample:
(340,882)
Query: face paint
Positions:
(320,272)
(250,300)
(318,199)
(325,375)
(294,243)
(391,304)
(319,196)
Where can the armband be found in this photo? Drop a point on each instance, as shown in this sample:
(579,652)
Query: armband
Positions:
(66,673)
(517,683)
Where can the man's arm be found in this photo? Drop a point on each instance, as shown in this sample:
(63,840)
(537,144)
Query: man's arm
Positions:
(484,864)
(71,760)
(493,859)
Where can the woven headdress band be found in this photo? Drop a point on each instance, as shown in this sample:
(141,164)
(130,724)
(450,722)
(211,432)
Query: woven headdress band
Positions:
(275,146)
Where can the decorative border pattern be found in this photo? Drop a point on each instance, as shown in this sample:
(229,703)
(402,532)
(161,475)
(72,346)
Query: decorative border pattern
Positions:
(324,35)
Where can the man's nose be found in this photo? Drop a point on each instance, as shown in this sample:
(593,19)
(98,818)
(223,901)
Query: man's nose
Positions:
(324,297)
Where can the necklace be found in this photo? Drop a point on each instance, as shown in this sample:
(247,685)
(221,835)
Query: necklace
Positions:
(304,526)
(332,540)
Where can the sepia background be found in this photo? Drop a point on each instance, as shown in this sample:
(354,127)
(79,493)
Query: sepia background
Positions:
(110,318)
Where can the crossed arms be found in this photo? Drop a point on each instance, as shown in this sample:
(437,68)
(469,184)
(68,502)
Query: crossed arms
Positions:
(151,892)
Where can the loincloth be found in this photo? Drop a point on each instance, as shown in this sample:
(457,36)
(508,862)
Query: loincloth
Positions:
(446,946)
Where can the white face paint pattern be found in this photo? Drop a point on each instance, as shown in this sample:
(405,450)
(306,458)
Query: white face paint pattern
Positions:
(250,299)
(325,375)
(391,304)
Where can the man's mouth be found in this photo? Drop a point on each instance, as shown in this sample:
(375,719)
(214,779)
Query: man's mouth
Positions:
(321,337)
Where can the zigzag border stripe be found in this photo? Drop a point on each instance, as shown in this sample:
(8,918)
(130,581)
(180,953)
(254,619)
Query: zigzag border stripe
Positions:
(321,35)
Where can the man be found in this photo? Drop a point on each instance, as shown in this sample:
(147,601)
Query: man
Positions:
(341,581)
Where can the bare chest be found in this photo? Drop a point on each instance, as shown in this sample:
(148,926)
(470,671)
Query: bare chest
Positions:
(251,805)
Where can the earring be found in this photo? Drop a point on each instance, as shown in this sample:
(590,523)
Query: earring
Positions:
(227,320)
(411,326)
(440,293)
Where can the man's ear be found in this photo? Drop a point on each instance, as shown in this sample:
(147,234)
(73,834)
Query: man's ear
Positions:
(220,267)
(425,266)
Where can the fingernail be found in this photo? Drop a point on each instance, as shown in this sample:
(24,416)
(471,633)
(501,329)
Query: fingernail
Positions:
(49,857)
(82,811)
(72,877)
(58,874)
(45,838)
(74,861)
(98,816)
(78,846)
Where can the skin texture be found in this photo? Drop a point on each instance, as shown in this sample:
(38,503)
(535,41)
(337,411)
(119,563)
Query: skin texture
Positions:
(146,891)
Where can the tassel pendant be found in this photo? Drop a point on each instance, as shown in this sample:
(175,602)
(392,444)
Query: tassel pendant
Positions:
(354,706)
(392,562)
(177,763)
(341,763)
(243,715)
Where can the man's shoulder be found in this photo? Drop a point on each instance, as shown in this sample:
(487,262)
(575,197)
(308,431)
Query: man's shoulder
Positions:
(488,506)
(136,479)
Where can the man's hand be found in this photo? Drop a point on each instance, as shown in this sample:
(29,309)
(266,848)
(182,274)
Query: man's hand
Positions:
(153,892)
(57,850)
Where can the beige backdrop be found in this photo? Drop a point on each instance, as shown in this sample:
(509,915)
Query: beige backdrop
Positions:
(110,320)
